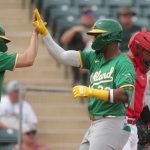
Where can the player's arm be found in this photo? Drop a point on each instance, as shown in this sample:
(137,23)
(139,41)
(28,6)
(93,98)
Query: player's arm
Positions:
(123,94)
(70,57)
(28,56)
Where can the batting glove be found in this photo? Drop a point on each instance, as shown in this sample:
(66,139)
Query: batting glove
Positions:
(38,23)
(82,91)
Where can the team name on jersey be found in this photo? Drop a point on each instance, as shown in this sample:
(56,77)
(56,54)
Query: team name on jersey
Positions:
(98,77)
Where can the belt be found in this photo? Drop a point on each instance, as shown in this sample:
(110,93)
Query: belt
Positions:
(132,121)
(94,118)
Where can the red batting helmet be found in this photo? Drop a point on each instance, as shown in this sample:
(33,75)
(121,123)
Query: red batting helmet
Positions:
(140,41)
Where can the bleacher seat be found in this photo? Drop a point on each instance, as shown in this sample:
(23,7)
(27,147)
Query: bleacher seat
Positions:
(143,3)
(65,23)
(38,4)
(146,12)
(143,22)
(53,3)
(101,12)
(118,3)
(57,13)
(8,139)
(7,146)
(81,3)
(48,4)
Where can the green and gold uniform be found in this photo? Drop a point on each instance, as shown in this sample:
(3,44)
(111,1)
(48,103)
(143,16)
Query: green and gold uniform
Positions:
(112,74)
(7,62)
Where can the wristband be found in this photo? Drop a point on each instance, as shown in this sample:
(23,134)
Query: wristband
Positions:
(111,95)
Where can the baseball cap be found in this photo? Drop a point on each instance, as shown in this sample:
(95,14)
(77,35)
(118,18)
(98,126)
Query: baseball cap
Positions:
(87,11)
(2,35)
(126,10)
(13,86)
(29,128)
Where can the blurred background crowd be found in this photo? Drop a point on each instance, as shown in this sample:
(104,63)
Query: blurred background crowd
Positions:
(59,120)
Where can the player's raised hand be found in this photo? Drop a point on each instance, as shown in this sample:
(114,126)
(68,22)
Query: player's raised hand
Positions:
(39,24)
(82,91)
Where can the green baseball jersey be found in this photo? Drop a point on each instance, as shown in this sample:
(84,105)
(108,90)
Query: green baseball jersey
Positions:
(7,62)
(112,74)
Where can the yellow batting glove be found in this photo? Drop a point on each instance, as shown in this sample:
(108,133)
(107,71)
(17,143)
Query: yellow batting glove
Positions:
(82,91)
(39,24)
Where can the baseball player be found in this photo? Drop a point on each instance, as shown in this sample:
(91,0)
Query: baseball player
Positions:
(139,54)
(10,61)
(111,83)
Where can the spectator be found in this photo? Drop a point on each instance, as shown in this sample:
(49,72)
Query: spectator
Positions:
(29,139)
(125,16)
(76,38)
(9,108)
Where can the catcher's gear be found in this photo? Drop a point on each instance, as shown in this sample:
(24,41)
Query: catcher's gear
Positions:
(140,41)
(39,24)
(3,40)
(106,31)
(83,91)
(145,115)
(143,132)
(143,129)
